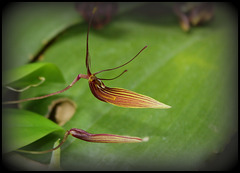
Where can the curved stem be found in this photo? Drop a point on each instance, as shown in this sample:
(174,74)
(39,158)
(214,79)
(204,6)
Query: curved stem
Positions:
(48,95)
(47,151)
(42,79)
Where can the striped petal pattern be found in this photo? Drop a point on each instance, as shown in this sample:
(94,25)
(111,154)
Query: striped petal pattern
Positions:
(122,97)
(102,138)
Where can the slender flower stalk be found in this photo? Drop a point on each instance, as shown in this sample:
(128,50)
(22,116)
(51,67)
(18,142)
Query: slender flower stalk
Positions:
(116,96)
(89,137)
(47,151)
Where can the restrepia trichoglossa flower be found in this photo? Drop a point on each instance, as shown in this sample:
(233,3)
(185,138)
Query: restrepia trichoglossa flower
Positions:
(116,96)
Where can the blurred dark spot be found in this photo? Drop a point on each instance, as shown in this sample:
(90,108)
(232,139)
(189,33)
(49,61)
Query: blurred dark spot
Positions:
(193,13)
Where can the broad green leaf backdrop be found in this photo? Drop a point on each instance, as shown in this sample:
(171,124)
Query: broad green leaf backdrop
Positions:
(194,72)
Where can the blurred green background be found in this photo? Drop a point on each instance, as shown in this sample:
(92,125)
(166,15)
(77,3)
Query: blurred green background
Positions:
(195,72)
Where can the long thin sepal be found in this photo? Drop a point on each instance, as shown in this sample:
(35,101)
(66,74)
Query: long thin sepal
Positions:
(87,49)
(123,64)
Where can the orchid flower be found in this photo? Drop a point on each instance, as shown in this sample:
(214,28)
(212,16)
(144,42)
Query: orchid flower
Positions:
(116,96)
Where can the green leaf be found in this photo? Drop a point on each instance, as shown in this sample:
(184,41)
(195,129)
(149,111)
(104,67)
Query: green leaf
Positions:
(29,74)
(23,127)
(33,31)
(192,72)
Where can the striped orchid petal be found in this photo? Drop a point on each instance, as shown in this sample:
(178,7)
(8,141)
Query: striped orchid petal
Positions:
(103,138)
(122,97)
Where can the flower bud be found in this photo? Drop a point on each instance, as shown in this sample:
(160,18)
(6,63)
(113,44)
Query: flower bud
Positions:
(102,138)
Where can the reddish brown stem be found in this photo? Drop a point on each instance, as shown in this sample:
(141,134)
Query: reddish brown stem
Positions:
(47,151)
(48,95)
(87,49)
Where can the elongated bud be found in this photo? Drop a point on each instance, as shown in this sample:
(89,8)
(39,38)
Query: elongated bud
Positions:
(99,138)
(102,138)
